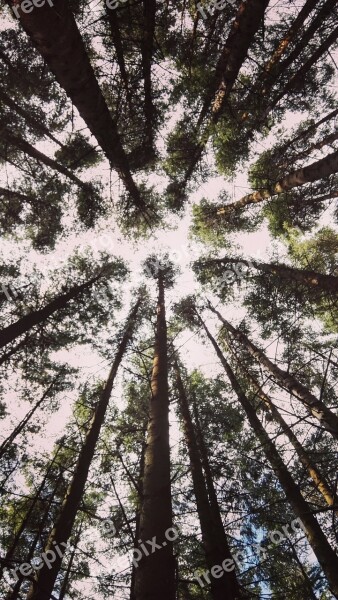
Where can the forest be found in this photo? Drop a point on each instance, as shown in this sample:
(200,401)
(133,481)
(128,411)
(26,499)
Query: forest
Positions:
(168,300)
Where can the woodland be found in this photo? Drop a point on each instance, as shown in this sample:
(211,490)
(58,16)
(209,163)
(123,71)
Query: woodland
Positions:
(168,300)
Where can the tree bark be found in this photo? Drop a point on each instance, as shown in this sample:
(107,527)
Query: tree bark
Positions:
(54,33)
(155,574)
(314,473)
(324,553)
(214,539)
(10,333)
(29,118)
(325,416)
(24,146)
(43,586)
(317,170)
(310,279)
(244,28)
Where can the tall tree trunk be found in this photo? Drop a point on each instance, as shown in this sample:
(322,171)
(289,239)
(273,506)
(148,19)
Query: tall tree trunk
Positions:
(10,333)
(28,117)
(275,68)
(14,593)
(314,473)
(310,279)
(21,144)
(66,579)
(213,536)
(43,586)
(9,440)
(137,519)
(317,170)
(325,416)
(147,48)
(325,555)
(302,72)
(25,521)
(155,574)
(244,28)
(54,33)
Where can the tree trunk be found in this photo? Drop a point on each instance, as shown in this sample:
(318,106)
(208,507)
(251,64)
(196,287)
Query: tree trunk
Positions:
(274,67)
(310,279)
(314,473)
(24,523)
(147,48)
(302,72)
(9,440)
(325,555)
(24,146)
(317,170)
(65,583)
(244,28)
(155,574)
(43,586)
(10,333)
(14,593)
(137,520)
(28,117)
(213,536)
(54,33)
(325,416)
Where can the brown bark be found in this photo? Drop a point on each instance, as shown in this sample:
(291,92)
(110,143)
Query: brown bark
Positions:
(310,279)
(314,473)
(317,170)
(10,333)
(300,75)
(214,539)
(324,553)
(43,585)
(54,33)
(274,68)
(325,416)
(155,574)
(245,26)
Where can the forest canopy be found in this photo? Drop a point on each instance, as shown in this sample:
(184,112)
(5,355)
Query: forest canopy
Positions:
(169,300)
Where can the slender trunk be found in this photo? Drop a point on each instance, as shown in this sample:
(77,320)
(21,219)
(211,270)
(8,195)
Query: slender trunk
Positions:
(245,26)
(276,68)
(308,131)
(155,574)
(15,195)
(147,48)
(325,416)
(24,146)
(314,473)
(310,279)
(10,333)
(137,519)
(66,579)
(28,117)
(213,536)
(285,42)
(14,594)
(317,170)
(299,76)
(54,33)
(117,41)
(325,555)
(305,576)
(9,440)
(24,523)
(43,586)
